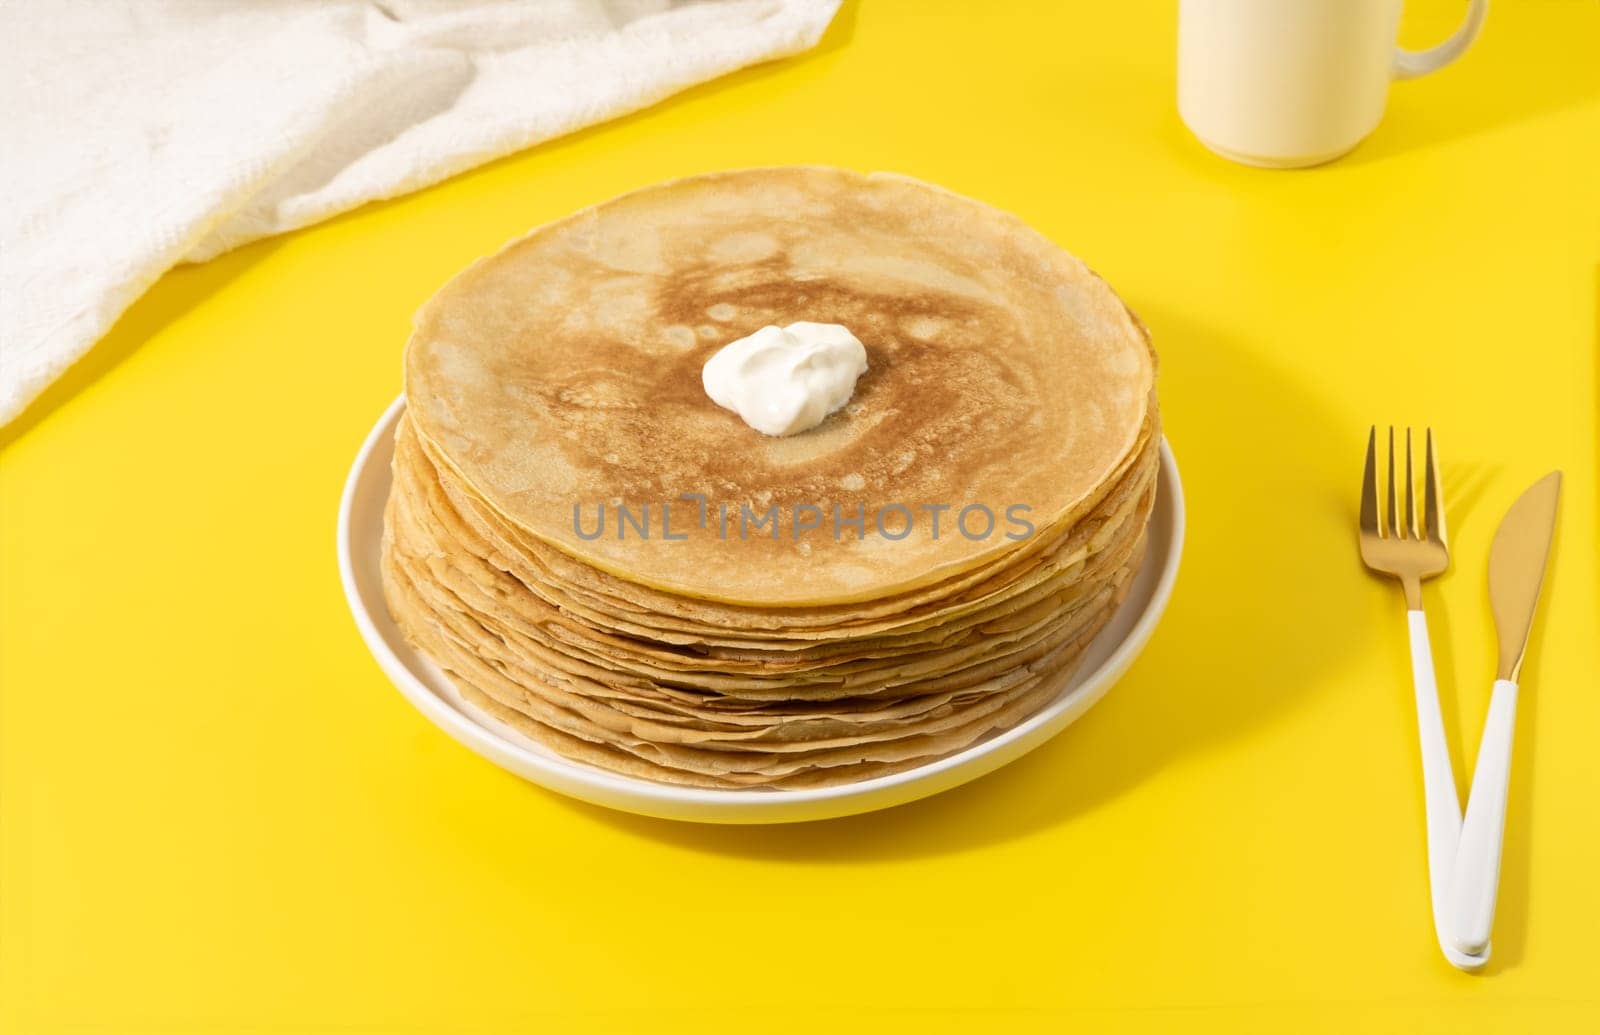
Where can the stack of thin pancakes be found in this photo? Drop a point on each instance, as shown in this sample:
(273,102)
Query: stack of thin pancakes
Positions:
(560,378)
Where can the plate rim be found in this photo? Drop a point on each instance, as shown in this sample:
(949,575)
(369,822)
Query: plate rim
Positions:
(647,797)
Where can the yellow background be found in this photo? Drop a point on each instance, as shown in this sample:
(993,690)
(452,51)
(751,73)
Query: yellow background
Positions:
(218,815)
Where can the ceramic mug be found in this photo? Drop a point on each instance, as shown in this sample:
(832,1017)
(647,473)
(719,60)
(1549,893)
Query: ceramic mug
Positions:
(1287,83)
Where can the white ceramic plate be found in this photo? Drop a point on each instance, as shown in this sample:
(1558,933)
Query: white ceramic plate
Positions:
(361,529)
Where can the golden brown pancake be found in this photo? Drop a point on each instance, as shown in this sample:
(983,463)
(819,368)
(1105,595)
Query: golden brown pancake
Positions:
(565,371)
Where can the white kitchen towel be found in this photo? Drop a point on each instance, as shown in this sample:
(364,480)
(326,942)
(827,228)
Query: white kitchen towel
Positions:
(143,133)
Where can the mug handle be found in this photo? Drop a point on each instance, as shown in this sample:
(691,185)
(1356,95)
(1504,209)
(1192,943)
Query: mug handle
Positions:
(1408,64)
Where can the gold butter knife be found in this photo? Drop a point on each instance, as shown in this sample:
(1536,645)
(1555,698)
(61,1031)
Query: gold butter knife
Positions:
(1517,561)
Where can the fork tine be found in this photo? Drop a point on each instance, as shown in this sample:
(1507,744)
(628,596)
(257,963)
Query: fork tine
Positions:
(1393,526)
(1432,516)
(1369,485)
(1411,502)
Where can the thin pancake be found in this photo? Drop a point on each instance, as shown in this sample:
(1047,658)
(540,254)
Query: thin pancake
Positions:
(564,372)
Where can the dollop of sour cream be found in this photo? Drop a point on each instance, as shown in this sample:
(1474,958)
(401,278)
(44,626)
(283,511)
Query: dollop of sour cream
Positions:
(784,380)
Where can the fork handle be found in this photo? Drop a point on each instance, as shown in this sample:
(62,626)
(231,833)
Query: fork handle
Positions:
(1443,807)
(1475,883)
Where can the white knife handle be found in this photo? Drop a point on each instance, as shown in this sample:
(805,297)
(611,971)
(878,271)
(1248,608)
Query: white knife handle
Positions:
(1476,880)
(1443,808)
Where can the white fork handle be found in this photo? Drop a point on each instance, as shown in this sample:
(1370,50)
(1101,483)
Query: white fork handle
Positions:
(1442,806)
(1475,882)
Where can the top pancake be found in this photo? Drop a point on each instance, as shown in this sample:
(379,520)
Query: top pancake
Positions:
(564,372)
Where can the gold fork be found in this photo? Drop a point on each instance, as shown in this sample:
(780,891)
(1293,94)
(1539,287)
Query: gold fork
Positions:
(1411,547)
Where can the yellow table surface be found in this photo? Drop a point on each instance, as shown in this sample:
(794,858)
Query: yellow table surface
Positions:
(216,814)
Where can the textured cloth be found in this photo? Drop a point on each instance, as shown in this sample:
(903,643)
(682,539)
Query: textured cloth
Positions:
(145,133)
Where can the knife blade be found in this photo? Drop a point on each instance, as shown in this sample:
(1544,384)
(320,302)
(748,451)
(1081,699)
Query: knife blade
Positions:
(1517,559)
